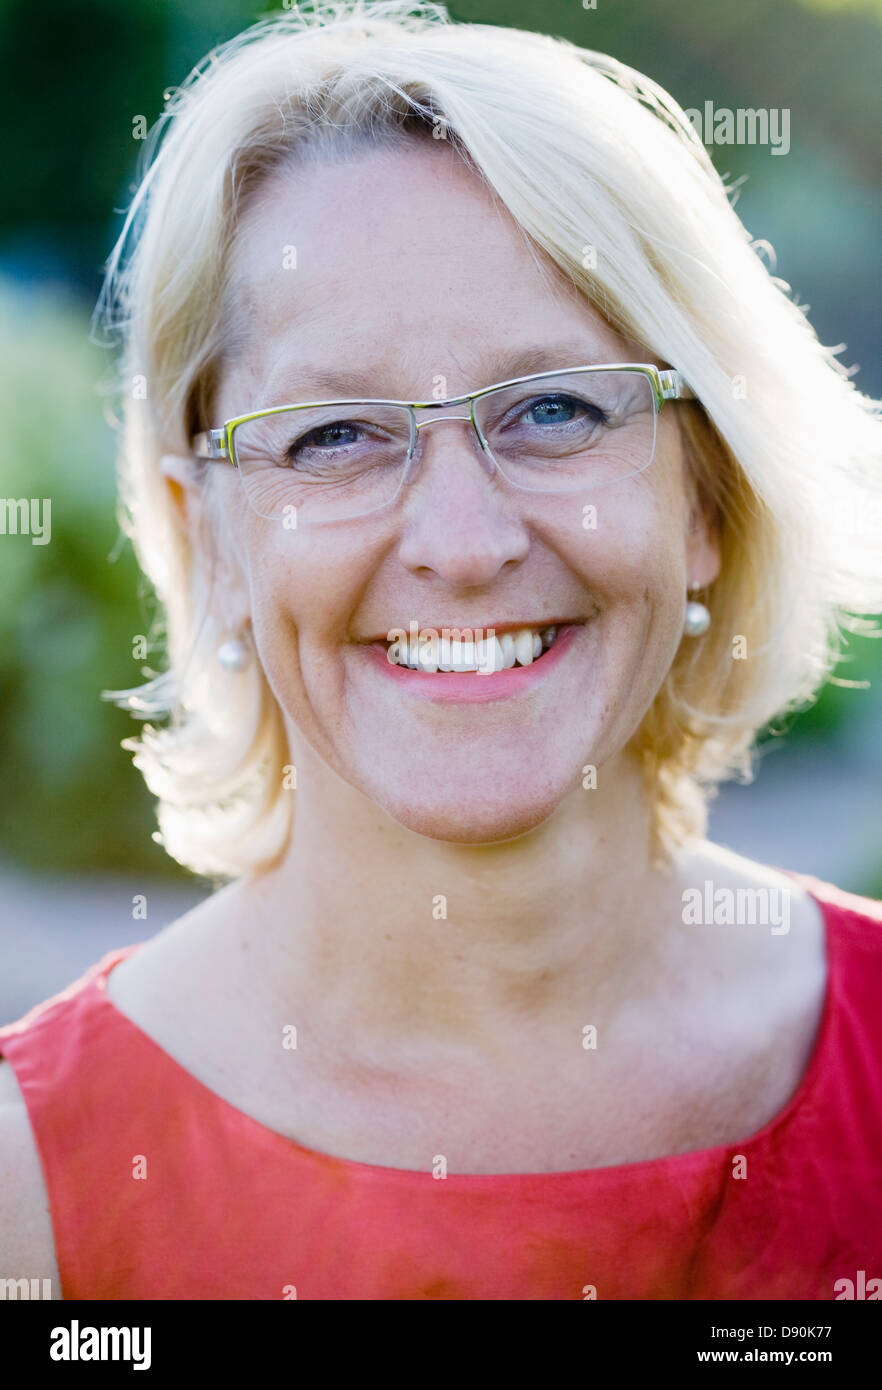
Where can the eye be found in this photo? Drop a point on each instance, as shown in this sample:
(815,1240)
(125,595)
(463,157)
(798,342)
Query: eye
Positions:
(325,437)
(560,409)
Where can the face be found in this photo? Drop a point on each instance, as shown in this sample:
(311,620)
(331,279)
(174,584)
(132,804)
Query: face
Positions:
(407,273)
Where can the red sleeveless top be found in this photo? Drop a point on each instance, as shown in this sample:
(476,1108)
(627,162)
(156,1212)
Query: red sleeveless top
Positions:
(159,1189)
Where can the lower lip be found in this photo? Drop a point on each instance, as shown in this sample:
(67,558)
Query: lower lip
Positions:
(473,686)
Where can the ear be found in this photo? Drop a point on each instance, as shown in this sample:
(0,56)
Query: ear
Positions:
(179,473)
(183,477)
(703,559)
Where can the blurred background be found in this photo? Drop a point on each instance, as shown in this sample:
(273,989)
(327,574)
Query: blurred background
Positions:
(75,819)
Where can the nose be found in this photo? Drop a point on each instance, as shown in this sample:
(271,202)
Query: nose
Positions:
(461,519)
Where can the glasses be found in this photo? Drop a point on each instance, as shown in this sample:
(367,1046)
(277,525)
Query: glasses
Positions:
(574,430)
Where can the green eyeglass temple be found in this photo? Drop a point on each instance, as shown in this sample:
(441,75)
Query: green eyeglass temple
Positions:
(667,385)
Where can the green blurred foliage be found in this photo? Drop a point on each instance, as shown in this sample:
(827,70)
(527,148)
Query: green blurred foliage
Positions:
(76,77)
(69,609)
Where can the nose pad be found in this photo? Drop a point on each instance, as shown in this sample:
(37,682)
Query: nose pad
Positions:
(416,458)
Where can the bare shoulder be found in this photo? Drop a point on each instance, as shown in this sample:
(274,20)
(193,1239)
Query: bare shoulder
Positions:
(766,932)
(179,970)
(752,951)
(27,1245)
(722,880)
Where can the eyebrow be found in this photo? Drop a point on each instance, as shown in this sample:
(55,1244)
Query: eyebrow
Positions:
(308,379)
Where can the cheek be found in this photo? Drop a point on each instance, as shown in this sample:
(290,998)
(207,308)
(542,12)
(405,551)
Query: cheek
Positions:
(303,591)
(632,563)
(288,615)
(629,546)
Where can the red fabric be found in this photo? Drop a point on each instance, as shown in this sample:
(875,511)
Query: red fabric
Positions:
(230,1209)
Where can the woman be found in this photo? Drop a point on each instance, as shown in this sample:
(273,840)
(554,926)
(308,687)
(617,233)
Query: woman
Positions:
(480,1013)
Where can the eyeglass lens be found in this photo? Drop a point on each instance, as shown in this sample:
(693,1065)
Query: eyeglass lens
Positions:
(566,433)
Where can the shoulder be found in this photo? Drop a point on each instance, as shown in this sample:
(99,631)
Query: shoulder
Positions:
(722,888)
(801,937)
(54,1048)
(854,937)
(804,896)
(185,974)
(26,1237)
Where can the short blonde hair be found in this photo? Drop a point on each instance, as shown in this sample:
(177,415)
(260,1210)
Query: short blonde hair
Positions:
(603,171)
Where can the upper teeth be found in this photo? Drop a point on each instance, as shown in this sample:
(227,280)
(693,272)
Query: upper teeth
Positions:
(520,648)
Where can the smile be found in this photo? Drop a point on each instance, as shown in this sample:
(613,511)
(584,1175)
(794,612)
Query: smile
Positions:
(444,653)
(492,668)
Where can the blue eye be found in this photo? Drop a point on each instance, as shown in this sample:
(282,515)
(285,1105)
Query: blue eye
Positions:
(323,436)
(561,410)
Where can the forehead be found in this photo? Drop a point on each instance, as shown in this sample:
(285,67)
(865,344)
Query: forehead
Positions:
(401,261)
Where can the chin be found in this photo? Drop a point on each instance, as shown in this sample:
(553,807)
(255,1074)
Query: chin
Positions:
(472,819)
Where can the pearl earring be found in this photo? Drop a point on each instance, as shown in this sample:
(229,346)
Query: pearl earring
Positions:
(233,654)
(697,619)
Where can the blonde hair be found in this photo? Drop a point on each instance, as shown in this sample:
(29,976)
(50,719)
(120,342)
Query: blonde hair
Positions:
(586,154)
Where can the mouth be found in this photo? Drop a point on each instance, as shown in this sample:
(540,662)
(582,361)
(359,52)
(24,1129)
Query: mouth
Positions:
(472,664)
(458,651)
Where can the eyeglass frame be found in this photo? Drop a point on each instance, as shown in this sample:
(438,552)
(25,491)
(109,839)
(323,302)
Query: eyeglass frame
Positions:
(668,384)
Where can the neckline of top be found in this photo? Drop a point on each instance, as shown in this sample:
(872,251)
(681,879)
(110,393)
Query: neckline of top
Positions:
(684,1160)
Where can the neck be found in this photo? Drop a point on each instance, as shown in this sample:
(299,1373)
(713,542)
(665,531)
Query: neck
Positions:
(365,921)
